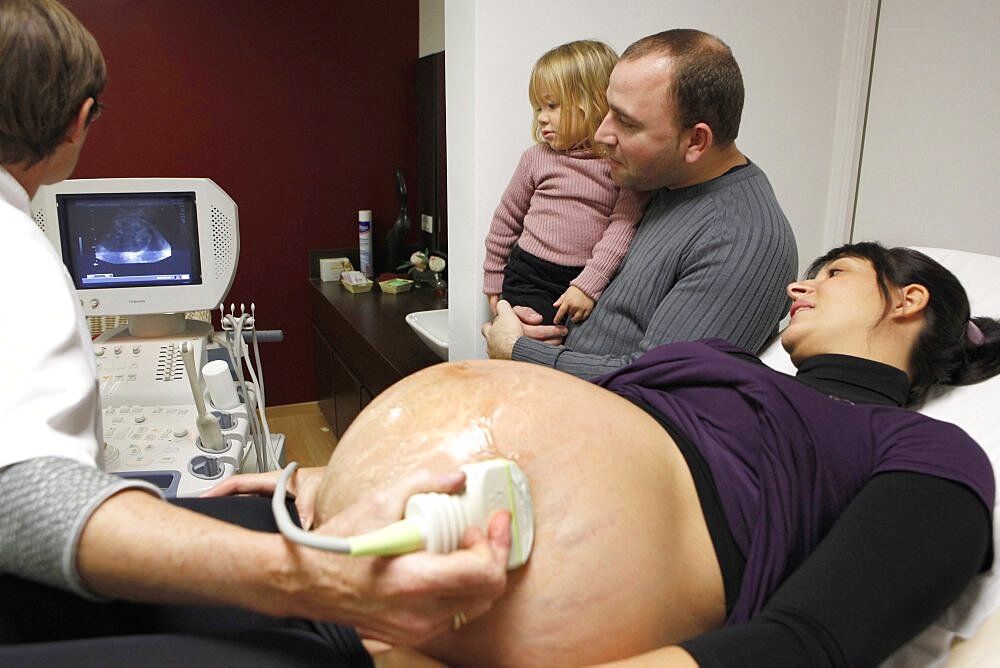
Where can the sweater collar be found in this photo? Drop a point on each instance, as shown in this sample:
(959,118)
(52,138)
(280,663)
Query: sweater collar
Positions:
(855,379)
(738,173)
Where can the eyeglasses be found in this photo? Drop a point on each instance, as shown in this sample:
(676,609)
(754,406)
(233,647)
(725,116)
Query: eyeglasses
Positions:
(95,112)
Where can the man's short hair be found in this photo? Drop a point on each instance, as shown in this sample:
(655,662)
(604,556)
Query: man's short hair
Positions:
(51,65)
(707,84)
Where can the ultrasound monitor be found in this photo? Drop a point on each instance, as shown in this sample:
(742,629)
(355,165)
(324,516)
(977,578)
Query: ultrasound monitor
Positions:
(138,247)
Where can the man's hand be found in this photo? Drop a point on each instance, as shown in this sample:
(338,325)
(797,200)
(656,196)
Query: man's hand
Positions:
(502,332)
(531,321)
(574,302)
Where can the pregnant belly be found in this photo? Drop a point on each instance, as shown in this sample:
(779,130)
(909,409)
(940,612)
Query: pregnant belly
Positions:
(622,561)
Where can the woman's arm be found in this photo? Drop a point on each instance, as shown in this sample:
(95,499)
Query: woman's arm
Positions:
(135,546)
(902,552)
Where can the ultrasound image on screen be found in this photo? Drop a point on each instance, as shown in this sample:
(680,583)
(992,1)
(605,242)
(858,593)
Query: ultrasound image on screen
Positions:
(133,239)
(130,240)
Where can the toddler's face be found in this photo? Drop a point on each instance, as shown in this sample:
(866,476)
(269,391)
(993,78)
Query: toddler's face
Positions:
(547,116)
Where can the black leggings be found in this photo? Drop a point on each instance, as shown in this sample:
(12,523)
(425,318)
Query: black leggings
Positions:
(43,626)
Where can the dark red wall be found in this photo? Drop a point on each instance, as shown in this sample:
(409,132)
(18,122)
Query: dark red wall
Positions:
(300,109)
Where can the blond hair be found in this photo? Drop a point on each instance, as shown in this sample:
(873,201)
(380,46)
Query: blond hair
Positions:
(577,75)
(51,65)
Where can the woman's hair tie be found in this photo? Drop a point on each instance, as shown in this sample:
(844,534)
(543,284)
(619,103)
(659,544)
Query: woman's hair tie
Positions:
(974,334)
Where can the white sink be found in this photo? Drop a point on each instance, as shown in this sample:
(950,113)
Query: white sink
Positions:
(432,328)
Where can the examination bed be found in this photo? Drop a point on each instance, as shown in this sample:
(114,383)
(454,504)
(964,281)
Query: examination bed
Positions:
(968,633)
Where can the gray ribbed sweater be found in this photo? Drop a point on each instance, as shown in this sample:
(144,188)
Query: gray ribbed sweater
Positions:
(710,260)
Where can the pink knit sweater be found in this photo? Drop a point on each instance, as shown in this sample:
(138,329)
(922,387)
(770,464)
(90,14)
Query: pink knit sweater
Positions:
(563,208)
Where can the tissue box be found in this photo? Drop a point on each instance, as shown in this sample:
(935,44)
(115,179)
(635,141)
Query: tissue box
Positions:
(396,285)
(358,287)
(330,268)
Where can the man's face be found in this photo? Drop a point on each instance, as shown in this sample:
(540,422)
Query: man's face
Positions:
(645,146)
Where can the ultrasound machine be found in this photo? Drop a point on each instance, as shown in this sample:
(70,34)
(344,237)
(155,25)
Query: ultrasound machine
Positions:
(177,408)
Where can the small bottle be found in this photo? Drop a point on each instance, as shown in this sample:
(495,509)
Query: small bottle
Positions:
(365,242)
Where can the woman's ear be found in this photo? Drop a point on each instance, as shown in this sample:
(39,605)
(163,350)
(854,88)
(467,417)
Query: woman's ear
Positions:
(910,301)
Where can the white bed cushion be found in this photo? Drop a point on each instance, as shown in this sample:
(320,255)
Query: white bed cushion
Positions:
(974,408)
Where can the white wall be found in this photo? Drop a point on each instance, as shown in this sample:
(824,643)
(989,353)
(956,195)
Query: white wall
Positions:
(431,27)
(930,171)
(797,121)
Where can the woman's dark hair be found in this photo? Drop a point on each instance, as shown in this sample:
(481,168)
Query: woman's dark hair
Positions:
(944,353)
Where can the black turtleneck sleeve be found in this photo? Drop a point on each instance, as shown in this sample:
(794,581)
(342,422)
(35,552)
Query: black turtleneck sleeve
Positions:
(877,579)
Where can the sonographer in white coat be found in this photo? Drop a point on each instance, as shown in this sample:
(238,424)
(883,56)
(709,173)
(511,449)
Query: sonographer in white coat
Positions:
(65,523)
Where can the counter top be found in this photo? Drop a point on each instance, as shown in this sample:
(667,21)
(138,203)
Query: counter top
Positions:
(370,327)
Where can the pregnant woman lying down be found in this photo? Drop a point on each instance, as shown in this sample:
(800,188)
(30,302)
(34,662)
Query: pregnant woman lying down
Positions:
(698,508)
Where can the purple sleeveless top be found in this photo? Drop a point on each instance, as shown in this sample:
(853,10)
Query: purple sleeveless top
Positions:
(787,459)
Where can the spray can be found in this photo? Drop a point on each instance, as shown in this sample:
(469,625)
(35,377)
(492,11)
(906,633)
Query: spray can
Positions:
(365,242)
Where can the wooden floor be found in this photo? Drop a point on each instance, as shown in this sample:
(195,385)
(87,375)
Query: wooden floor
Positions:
(308,438)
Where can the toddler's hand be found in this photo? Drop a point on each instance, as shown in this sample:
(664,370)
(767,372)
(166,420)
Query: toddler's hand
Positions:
(576,303)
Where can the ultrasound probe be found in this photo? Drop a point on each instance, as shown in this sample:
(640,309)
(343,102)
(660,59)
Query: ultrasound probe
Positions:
(434,521)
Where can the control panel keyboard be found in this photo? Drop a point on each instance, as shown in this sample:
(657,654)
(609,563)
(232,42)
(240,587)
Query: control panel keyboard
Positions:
(161,444)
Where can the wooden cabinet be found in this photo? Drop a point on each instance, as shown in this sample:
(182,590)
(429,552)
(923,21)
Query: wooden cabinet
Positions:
(363,345)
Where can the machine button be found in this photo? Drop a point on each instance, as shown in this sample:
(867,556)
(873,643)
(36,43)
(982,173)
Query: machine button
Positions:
(180,433)
(110,454)
(139,419)
(99,352)
(206,467)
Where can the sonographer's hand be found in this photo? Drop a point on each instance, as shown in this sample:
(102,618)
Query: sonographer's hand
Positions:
(574,302)
(409,598)
(303,485)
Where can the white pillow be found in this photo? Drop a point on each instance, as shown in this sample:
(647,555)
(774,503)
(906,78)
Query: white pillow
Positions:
(973,408)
